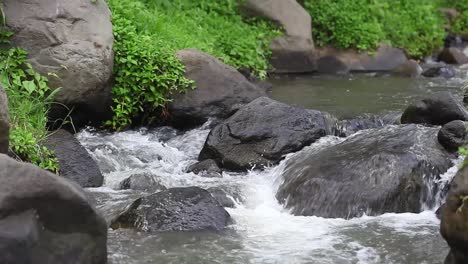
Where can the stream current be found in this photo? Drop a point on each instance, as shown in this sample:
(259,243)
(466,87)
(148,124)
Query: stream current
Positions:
(263,231)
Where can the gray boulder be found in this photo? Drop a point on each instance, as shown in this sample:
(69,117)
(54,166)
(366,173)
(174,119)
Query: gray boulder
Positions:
(74,160)
(410,68)
(142,182)
(439,71)
(74,40)
(176,209)
(453,135)
(46,219)
(293,53)
(262,132)
(220,90)
(453,56)
(454,216)
(4,122)
(208,167)
(437,109)
(222,197)
(391,169)
(348,127)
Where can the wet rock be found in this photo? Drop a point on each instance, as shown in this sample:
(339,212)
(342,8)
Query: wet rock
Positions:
(142,182)
(74,40)
(410,68)
(385,59)
(453,56)
(262,132)
(391,169)
(176,209)
(220,90)
(208,167)
(453,135)
(454,218)
(438,109)
(222,197)
(439,71)
(294,52)
(4,122)
(74,160)
(46,219)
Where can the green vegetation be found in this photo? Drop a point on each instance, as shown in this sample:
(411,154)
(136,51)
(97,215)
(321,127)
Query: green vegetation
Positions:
(148,33)
(413,25)
(460,25)
(29,96)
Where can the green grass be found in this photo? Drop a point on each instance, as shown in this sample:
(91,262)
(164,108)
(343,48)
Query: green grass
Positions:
(415,26)
(28,101)
(148,33)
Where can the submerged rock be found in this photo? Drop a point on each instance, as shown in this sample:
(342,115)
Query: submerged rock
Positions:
(453,135)
(176,209)
(142,182)
(439,71)
(391,169)
(46,219)
(74,160)
(438,109)
(348,127)
(262,132)
(454,219)
(206,167)
(4,122)
(220,90)
(74,40)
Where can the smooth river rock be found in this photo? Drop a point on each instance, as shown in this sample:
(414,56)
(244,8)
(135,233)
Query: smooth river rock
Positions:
(176,209)
(74,160)
(453,135)
(437,109)
(262,132)
(454,219)
(46,219)
(74,40)
(377,171)
(220,90)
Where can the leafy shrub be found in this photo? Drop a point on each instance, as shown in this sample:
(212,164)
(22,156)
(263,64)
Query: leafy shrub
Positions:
(413,25)
(28,97)
(148,33)
(460,26)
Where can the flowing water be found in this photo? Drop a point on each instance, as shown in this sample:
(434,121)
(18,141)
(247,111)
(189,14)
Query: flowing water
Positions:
(264,232)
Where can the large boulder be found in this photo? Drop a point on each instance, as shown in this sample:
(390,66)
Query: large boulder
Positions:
(176,209)
(142,182)
(453,56)
(437,109)
(385,59)
(391,169)
(453,135)
(293,53)
(74,160)
(46,219)
(4,122)
(262,132)
(72,39)
(454,219)
(220,90)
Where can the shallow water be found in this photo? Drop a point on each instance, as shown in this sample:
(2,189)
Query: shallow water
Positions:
(264,232)
(348,96)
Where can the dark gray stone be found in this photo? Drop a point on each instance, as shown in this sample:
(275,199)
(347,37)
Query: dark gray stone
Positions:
(439,71)
(208,166)
(438,109)
(74,160)
(222,197)
(219,90)
(46,219)
(142,182)
(454,216)
(176,209)
(374,172)
(262,132)
(74,40)
(351,126)
(453,135)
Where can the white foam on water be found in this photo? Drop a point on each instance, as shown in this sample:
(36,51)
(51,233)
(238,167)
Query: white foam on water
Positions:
(268,233)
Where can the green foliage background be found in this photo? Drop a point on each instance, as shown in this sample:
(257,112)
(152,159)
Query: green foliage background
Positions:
(148,33)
